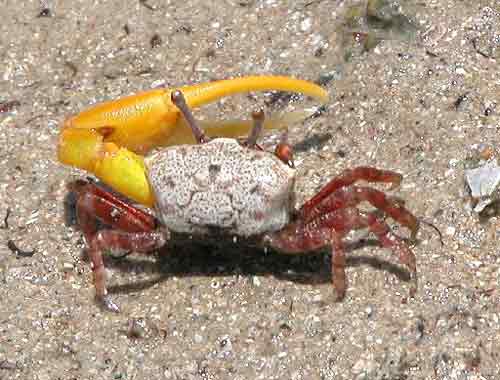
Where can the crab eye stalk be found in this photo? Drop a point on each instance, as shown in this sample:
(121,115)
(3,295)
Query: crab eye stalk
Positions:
(284,151)
(178,99)
(258,123)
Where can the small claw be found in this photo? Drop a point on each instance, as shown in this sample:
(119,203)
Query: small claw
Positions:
(108,304)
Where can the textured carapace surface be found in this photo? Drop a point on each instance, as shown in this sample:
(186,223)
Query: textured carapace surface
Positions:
(221,185)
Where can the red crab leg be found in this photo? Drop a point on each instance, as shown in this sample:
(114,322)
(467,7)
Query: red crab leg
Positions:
(143,242)
(135,230)
(352,196)
(357,219)
(338,260)
(329,229)
(348,177)
(110,209)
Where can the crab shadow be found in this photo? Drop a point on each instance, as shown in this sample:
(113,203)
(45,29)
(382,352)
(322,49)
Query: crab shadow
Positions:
(206,261)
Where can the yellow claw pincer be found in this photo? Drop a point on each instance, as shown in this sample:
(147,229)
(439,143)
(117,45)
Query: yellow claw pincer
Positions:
(110,138)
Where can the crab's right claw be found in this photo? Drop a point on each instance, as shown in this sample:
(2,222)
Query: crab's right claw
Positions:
(147,120)
(107,138)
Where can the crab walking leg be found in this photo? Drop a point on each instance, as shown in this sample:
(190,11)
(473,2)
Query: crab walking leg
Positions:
(339,280)
(355,219)
(143,242)
(329,229)
(107,139)
(136,230)
(352,196)
(398,246)
(110,209)
(347,178)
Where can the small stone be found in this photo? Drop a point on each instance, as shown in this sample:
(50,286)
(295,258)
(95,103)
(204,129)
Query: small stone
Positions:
(68,267)
(369,311)
(306,24)
(450,231)
(136,328)
(158,83)
(483,182)
(317,298)
(256,281)
(364,367)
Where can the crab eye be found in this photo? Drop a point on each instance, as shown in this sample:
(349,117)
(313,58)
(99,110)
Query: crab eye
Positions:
(285,153)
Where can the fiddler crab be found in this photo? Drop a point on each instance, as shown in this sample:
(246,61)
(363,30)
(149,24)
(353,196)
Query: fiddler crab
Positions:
(222,187)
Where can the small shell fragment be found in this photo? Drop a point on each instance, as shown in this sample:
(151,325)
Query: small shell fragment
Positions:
(483,182)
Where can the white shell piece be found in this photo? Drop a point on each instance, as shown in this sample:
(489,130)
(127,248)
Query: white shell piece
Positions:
(221,185)
(483,182)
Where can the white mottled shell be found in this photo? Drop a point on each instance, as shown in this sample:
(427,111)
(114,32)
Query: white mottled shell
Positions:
(221,185)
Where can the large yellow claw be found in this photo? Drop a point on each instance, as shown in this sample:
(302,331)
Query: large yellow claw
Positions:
(108,139)
(116,166)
